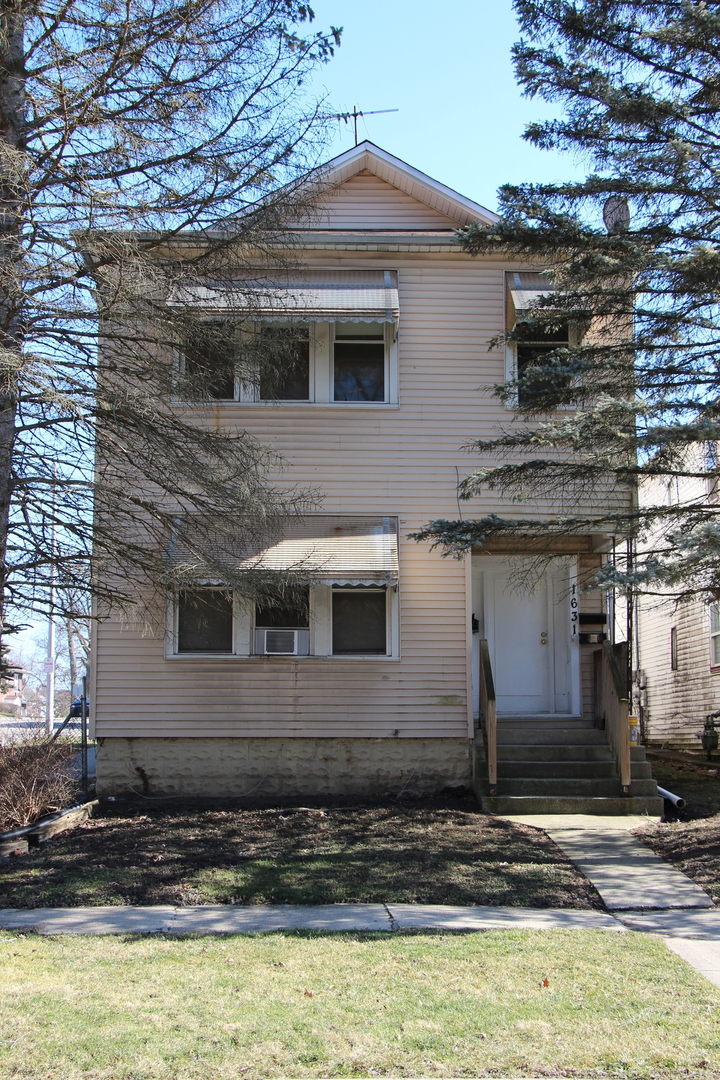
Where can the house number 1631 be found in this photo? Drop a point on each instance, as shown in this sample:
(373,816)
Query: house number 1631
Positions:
(573,612)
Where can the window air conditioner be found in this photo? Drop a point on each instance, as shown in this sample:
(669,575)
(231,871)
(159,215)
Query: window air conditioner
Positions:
(281,642)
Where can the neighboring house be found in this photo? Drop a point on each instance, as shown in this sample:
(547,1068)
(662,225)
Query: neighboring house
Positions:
(12,690)
(678,677)
(378,690)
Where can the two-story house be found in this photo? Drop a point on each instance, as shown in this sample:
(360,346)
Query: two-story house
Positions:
(376,688)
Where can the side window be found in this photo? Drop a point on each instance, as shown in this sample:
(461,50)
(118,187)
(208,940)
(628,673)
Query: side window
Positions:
(715,635)
(359,621)
(359,362)
(282,631)
(204,621)
(532,349)
(673,648)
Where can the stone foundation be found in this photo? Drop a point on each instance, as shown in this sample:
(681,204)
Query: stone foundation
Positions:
(269,768)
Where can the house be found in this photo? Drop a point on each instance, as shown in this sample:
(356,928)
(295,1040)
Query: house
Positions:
(678,644)
(378,689)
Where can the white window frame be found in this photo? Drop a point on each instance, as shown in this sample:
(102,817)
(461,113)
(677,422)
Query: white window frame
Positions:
(320,629)
(322,342)
(241,629)
(714,621)
(249,393)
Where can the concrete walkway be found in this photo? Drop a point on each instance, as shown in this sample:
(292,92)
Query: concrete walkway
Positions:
(626,873)
(228,919)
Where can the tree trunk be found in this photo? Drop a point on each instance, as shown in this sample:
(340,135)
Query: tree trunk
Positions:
(12,171)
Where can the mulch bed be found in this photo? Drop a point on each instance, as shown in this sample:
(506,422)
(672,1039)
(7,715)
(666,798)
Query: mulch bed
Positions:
(436,851)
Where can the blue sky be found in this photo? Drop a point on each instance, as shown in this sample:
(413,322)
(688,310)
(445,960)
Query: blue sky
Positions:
(447,68)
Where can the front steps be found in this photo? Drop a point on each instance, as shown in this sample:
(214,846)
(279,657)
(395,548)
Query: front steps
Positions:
(561,765)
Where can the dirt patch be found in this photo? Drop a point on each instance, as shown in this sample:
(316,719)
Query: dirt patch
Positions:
(431,851)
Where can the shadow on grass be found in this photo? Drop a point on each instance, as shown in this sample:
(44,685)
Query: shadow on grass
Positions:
(426,851)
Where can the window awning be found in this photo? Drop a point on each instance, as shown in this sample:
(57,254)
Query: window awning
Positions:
(525,288)
(330,549)
(321,296)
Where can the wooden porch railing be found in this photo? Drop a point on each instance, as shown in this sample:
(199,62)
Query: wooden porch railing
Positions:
(488,714)
(612,707)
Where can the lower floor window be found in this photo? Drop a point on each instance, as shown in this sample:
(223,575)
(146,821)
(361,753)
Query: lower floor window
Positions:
(359,622)
(204,621)
(343,620)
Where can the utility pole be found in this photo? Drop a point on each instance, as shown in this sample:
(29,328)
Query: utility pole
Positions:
(50,659)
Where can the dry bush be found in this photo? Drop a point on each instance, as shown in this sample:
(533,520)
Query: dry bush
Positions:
(36,777)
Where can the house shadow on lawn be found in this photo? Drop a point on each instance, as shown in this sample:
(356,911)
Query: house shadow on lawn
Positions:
(433,851)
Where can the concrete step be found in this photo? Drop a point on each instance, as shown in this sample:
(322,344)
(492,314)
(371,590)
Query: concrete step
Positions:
(640,770)
(549,719)
(569,770)
(607,788)
(543,735)
(538,753)
(524,804)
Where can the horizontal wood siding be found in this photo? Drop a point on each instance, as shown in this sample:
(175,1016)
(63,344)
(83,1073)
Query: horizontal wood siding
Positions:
(677,701)
(367,202)
(403,461)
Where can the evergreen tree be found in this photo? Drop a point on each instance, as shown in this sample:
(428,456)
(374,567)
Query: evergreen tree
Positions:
(633,254)
(124,127)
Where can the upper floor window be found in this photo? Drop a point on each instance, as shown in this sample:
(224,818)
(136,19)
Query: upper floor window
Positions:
(322,362)
(533,350)
(359,362)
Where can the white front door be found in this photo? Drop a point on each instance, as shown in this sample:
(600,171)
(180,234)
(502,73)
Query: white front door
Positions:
(529,637)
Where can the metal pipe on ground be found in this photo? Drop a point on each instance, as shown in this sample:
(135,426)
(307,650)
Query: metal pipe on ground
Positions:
(674,799)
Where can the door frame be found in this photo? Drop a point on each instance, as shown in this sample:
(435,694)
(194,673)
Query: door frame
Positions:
(566,648)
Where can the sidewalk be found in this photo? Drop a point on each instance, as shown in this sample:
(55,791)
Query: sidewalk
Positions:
(641,891)
(334,918)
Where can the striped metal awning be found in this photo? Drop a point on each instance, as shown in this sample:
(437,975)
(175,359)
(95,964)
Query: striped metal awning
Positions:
(525,288)
(320,296)
(328,549)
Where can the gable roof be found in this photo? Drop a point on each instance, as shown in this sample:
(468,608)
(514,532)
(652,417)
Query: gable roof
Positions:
(418,185)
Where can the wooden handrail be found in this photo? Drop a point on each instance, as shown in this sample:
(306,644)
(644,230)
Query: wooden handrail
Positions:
(612,707)
(488,713)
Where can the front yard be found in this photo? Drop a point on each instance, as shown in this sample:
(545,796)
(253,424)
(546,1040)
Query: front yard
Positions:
(502,1003)
(431,851)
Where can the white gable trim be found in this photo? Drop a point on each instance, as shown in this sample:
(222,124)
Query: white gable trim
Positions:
(404,177)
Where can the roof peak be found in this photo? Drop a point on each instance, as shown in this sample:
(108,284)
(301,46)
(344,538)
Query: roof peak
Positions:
(368,156)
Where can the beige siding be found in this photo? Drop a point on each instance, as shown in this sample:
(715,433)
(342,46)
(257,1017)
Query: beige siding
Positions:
(367,202)
(397,460)
(677,701)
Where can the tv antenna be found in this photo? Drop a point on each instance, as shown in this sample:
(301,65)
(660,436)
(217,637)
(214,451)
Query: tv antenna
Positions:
(347,116)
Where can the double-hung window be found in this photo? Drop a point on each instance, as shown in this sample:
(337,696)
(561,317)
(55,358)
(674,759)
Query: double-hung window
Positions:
(537,371)
(359,362)
(715,635)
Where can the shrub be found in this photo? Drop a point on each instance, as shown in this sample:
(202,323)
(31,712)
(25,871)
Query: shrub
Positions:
(37,776)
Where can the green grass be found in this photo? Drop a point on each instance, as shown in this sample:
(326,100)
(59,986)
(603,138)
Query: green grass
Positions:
(430,851)
(216,1008)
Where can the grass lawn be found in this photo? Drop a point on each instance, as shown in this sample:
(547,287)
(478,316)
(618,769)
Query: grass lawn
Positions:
(692,843)
(501,1003)
(427,851)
